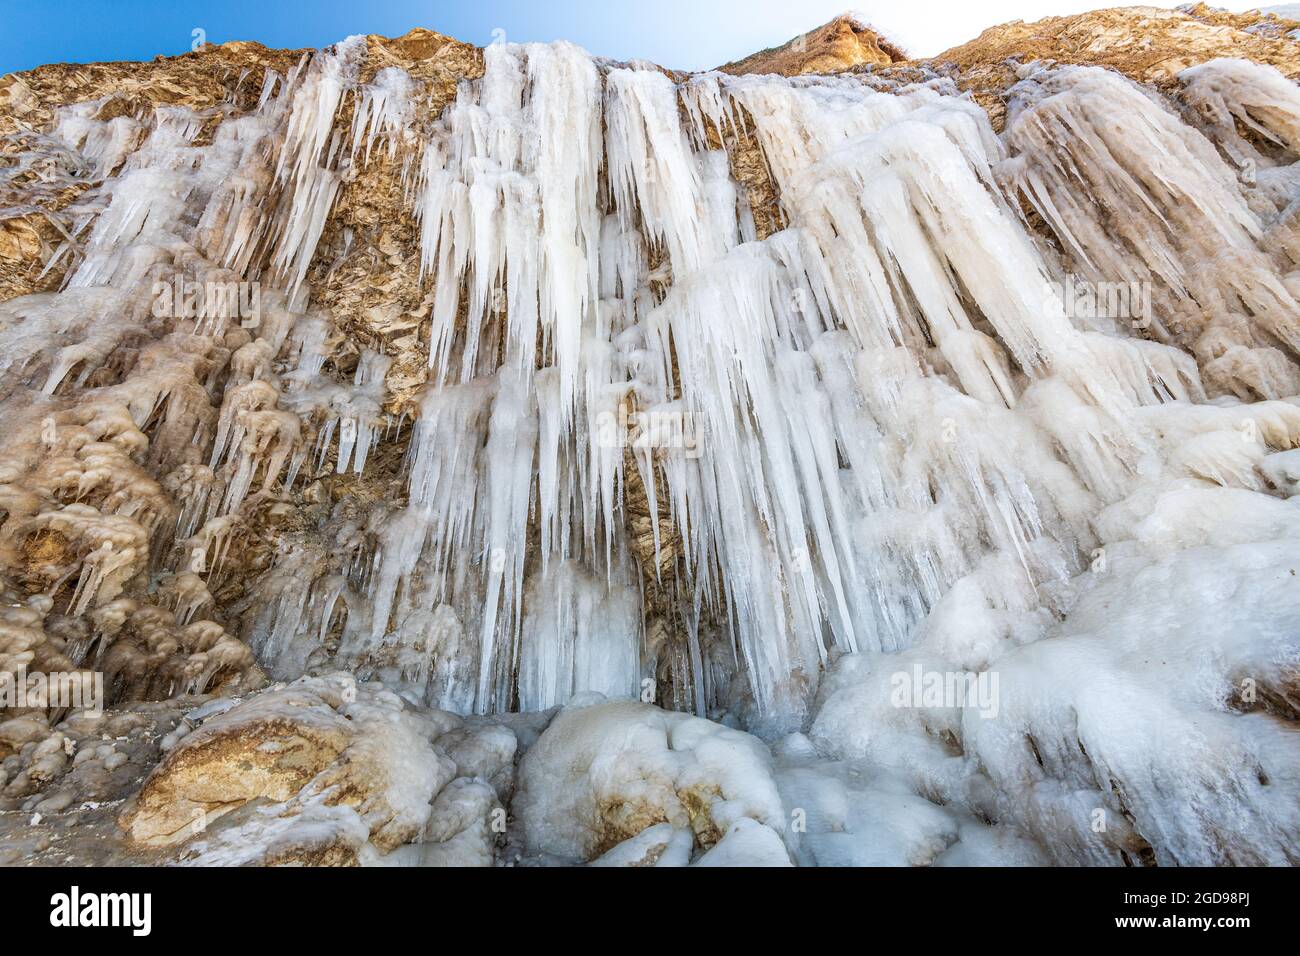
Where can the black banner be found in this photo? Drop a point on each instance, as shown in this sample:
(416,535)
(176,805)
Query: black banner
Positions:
(187,906)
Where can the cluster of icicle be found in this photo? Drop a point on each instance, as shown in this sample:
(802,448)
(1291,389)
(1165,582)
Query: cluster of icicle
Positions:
(877,432)
(143,431)
(879,395)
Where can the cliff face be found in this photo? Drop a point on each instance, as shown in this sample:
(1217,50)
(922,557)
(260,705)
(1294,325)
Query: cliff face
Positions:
(366,407)
(1148,44)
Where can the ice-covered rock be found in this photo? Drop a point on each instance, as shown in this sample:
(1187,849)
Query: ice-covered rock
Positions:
(318,740)
(602,773)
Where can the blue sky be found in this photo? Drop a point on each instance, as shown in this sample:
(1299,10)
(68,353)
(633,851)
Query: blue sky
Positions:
(686,34)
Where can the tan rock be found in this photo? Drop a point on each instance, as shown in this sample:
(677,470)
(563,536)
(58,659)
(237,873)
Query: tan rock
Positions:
(270,747)
(840,45)
(320,746)
(1147,44)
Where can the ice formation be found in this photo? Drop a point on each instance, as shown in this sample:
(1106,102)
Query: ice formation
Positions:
(668,455)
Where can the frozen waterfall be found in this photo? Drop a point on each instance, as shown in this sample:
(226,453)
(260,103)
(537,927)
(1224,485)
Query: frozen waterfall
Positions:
(961,402)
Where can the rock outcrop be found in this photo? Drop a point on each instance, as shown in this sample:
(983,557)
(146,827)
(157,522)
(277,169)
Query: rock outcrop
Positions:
(322,771)
(843,44)
(1148,44)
